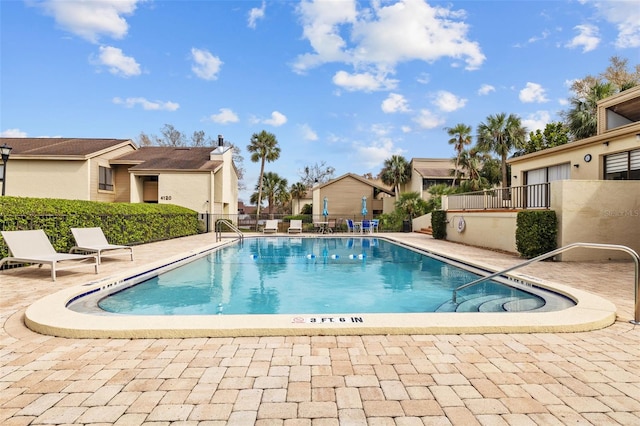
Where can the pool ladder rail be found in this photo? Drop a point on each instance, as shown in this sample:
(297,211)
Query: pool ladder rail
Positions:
(228,224)
(634,255)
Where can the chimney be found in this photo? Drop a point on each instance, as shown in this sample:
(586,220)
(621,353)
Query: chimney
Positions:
(220,140)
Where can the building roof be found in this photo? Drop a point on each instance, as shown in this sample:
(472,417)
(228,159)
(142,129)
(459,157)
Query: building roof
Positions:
(375,184)
(170,158)
(70,148)
(428,172)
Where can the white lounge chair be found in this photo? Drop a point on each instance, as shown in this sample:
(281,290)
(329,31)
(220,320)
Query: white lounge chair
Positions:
(34,247)
(295,226)
(93,240)
(270,226)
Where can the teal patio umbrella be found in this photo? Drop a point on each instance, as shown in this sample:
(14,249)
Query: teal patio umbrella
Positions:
(364,207)
(325,210)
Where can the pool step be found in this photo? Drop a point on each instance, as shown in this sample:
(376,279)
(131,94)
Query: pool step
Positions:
(491,303)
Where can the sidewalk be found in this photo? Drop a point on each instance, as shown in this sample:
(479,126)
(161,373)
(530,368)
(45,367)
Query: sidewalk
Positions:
(487,379)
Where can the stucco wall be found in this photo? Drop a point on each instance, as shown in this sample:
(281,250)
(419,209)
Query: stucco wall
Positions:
(48,179)
(344,197)
(597,211)
(495,230)
(188,190)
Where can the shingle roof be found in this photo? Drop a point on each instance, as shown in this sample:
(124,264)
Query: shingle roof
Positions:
(170,158)
(435,173)
(68,147)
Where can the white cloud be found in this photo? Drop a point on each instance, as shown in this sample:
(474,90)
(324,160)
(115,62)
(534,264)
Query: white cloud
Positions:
(146,104)
(91,19)
(13,133)
(373,154)
(537,120)
(625,15)
(255,14)
(365,82)
(447,101)
(485,89)
(225,116)
(533,92)
(588,38)
(308,133)
(384,35)
(395,103)
(117,62)
(277,119)
(405,129)
(206,66)
(427,120)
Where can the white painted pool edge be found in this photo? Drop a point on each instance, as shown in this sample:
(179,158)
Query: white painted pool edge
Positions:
(50,316)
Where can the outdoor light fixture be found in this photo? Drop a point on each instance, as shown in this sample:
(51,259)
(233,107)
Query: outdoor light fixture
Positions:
(4,153)
(576,165)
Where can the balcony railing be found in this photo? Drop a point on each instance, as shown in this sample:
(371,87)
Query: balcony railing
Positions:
(513,198)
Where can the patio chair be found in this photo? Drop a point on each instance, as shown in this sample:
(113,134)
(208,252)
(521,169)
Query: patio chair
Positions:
(374,225)
(366,226)
(34,247)
(92,240)
(270,226)
(295,226)
(331,225)
(350,226)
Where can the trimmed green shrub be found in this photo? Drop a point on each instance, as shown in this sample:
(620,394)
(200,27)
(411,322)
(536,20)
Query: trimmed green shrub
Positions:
(439,224)
(536,232)
(122,223)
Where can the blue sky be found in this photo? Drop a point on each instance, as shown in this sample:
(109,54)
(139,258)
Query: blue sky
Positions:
(344,82)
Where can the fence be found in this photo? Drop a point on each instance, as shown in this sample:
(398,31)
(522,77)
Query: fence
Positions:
(251,222)
(513,198)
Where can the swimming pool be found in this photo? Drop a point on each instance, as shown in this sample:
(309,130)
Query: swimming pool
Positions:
(280,275)
(52,315)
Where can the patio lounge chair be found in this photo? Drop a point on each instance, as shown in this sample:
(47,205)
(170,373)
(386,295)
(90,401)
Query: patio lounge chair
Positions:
(34,247)
(270,226)
(295,226)
(92,240)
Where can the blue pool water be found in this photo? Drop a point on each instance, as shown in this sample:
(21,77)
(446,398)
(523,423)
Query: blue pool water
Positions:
(282,275)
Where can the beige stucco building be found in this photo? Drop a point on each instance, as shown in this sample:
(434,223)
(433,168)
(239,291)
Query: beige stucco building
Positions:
(592,184)
(427,172)
(116,170)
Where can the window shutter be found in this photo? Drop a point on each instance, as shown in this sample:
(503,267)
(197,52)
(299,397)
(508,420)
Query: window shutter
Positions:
(617,162)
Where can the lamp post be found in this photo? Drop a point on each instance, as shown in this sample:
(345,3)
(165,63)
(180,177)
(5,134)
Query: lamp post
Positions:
(4,153)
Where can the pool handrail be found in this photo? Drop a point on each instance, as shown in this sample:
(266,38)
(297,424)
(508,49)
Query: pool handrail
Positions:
(634,255)
(230,225)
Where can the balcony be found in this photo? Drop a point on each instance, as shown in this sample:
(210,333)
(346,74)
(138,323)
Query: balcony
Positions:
(513,198)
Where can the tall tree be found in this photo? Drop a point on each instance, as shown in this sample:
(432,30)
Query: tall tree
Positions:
(554,134)
(317,173)
(501,134)
(297,191)
(471,163)
(275,189)
(460,138)
(263,147)
(582,118)
(395,172)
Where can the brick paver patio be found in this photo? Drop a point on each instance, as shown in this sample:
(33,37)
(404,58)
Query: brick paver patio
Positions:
(482,379)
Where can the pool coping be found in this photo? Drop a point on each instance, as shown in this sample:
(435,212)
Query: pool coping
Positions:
(50,316)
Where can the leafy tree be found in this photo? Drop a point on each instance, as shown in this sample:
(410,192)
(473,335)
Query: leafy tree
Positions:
(582,117)
(274,186)
(618,74)
(316,174)
(395,172)
(436,192)
(263,147)
(501,134)
(490,171)
(297,191)
(471,163)
(554,134)
(460,137)
(411,205)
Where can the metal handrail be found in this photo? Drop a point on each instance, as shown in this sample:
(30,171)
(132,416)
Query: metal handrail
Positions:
(634,255)
(230,225)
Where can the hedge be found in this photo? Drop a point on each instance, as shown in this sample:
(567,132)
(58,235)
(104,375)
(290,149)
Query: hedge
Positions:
(536,232)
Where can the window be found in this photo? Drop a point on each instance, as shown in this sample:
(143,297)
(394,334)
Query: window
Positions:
(537,195)
(622,166)
(105,178)
(429,182)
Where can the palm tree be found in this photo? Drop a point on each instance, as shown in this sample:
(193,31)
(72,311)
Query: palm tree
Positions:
(297,191)
(500,134)
(396,171)
(582,117)
(274,187)
(471,163)
(263,148)
(460,137)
